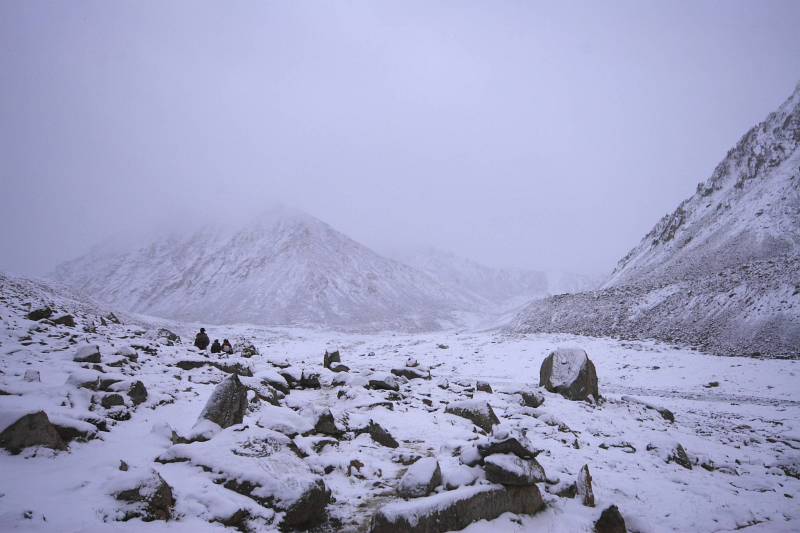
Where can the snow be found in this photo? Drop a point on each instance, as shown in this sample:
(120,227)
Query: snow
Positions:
(567,364)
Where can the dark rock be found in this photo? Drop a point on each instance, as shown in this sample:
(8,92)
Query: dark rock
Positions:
(420,479)
(249,350)
(583,487)
(711,384)
(112,400)
(123,466)
(519,446)
(32,376)
(340,368)
(331,357)
(455,510)
(679,456)
(411,373)
(88,353)
(164,333)
(227,404)
(65,320)
(230,368)
(33,429)
(387,382)
(569,372)
(111,317)
(531,399)
(137,393)
(508,469)
(152,499)
(382,436)
(478,412)
(40,314)
(326,424)
(610,521)
(483,386)
(309,380)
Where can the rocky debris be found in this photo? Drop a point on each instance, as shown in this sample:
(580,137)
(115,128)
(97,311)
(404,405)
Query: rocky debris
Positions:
(412,373)
(77,430)
(32,376)
(65,320)
(483,386)
(111,317)
(508,469)
(384,382)
(33,429)
(128,352)
(665,413)
(227,404)
(326,424)
(507,442)
(610,521)
(331,357)
(40,314)
(226,366)
(456,509)
(167,337)
(151,498)
(309,509)
(569,372)
(531,399)
(112,400)
(711,384)
(137,392)
(248,350)
(381,435)
(442,346)
(680,457)
(309,380)
(420,479)
(479,412)
(88,353)
(583,486)
(123,466)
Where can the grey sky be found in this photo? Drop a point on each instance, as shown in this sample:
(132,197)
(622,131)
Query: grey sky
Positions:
(544,135)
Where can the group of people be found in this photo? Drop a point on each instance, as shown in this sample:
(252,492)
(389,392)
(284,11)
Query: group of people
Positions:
(201,341)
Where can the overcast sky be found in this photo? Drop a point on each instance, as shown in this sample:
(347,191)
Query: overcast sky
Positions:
(530,134)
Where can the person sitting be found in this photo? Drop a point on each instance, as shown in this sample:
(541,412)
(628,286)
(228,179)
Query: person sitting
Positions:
(216,347)
(202,340)
(226,346)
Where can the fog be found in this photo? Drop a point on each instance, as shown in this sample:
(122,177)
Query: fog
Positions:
(540,135)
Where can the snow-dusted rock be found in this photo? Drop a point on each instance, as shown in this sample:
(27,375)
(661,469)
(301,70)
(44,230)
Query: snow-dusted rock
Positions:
(149,497)
(531,399)
(129,352)
(610,521)
(507,442)
(88,353)
(284,420)
(137,392)
(569,372)
(381,435)
(227,404)
(331,357)
(479,412)
(583,486)
(483,386)
(31,429)
(508,469)
(680,457)
(32,376)
(420,479)
(383,382)
(412,372)
(326,424)
(39,314)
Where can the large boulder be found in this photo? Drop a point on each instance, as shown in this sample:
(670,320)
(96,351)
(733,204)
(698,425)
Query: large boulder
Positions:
(610,521)
(383,382)
(331,357)
(507,442)
(412,372)
(456,509)
(33,429)
(569,372)
(420,479)
(583,487)
(479,412)
(40,314)
(137,392)
(381,435)
(508,469)
(227,404)
(88,353)
(150,498)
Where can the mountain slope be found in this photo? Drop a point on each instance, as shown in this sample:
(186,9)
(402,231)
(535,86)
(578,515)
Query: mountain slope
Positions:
(721,272)
(284,267)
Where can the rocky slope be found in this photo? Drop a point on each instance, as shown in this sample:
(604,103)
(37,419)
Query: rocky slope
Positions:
(721,272)
(284,267)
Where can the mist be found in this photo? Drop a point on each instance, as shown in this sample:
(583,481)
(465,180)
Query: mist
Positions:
(518,134)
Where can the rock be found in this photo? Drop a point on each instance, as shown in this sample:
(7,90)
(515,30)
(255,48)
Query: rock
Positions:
(128,352)
(381,435)
(33,429)
(583,487)
(711,384)
(137,393)
(665,413)
(456,509)
(385,382)
(227,404)
(32,376)
(310,508)
(309,380)
(88,353)
(170,337)
(479,412)
(228,367)
(442,346)
(508,469)
(151,498)
(65,320)
(123,466)
(483,386)
(111,317)
(331,357)
(531,399)
(40,314)
(679,456)
(340,368)
(326,424)
(420,479)
(508,443)
(412,362)
(249,350)
(112,400)
(610,521)
(569,372)
(412,373)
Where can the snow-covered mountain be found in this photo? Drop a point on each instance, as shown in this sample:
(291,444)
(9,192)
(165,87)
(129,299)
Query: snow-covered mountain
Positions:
(503,287)
(722,271)
(283,267)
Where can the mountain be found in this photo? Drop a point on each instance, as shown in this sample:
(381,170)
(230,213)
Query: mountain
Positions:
(503,287)
(721,272)
(281,268)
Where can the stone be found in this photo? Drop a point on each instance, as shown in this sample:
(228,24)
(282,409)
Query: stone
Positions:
(309,380)
(310,508)
(249,350)
(583,486)
(111,317)
(411,373)
(508,469)
(385,382)
(65,320)
(680,457)
(531,399)
(569,372)
(33,429)
(171,338)
(610,521)
(483,386)
(88,353)
(128,352)
(40,314)
(326,424)
(456,509)
(32,376)
(340,368)
(331,357)
(420,479)
(112,400)
(137,393)
(227,404)
(479,412)
(411,362)
(516,444)
(151,499)
(382,436)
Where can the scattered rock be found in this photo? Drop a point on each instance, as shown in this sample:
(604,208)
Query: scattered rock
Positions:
(412,362)
(331,357)
(483,386)
(569,372)
(249,350)
(442,346)
(531,399)
(507,443)
(385,382)
(227,404)
(479,412)
(137,393)
(123,466)
(583,486)
(88,353)
(711,384)
(32,376)
(679,456)
(309,509)
(420,479)
(610,521)
(40,314)
(65,320)
(112,400)
(151,498)
(128,352)
(33,429)
(508,469)
(111,317)
(326,424)
(411,373)
(309,380)
(381,435)
(167,337)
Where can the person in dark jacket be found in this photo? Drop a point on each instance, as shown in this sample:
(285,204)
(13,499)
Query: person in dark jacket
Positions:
(226,346)
(216,347)
(202,340)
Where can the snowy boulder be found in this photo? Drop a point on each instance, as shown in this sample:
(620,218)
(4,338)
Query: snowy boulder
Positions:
(326,424)
(583,487)
(381,435)
(227,404)
(680,457)
(167,337)
(274,379)
(507,442)
(483,386)
(383,382)
(112,400)
(531,399)
(40,314)
(65,320)
(412,372)
(88,353)
(129,352)
(331,357)
(456,509)
(479,412)
(284,420)
(411,362)
(32,429)
(508,469)
(309,380)
(137,393)
(149,497)
(420,479)
(569,372)
(610,521)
